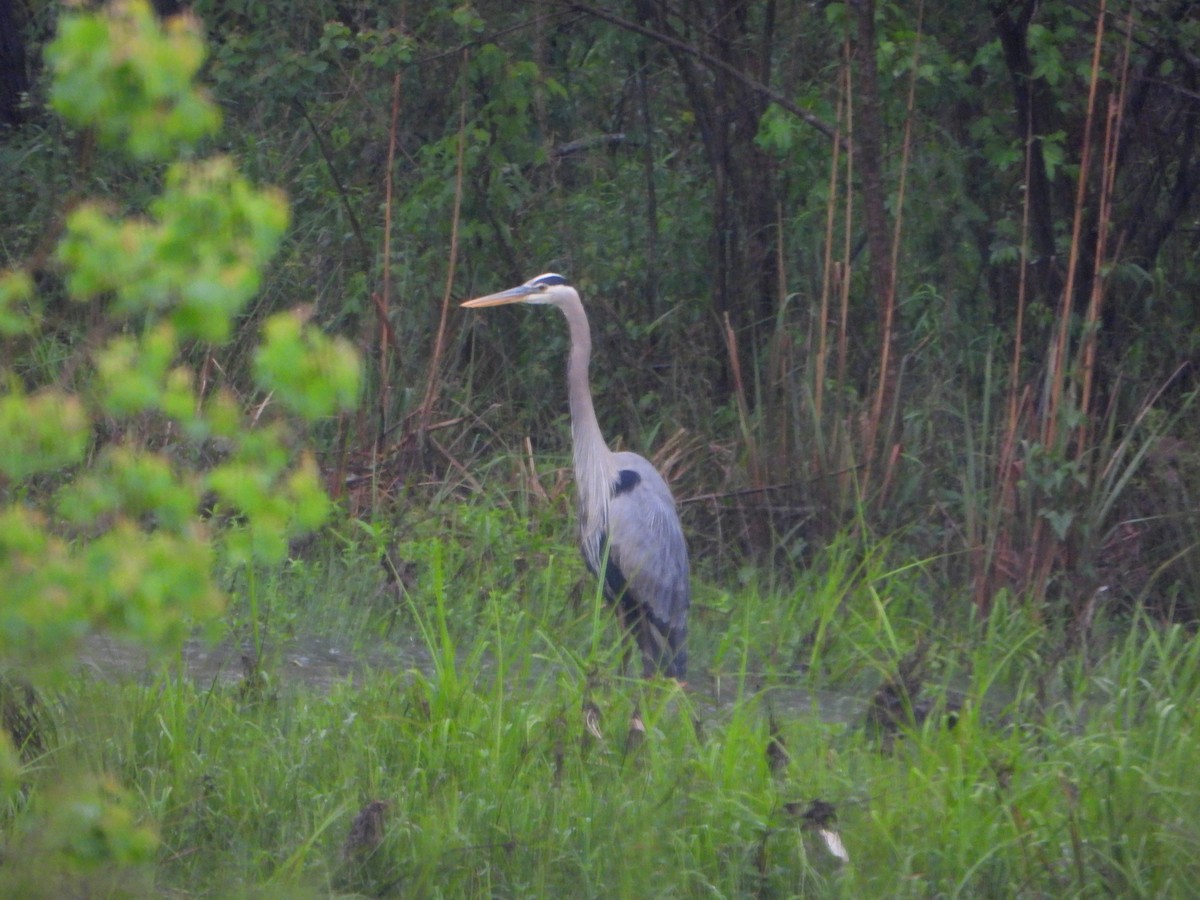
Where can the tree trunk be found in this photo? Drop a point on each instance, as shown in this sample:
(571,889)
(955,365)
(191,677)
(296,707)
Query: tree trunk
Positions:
(13,79)
(1035,117)
(727,111)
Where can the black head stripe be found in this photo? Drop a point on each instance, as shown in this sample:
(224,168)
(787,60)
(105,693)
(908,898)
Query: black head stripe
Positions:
(627,480)
(549,279)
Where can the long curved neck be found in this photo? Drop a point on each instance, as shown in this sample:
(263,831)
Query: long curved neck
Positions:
(594,467)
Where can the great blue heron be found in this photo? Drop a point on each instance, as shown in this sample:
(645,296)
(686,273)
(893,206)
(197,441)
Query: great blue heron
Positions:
(628,526)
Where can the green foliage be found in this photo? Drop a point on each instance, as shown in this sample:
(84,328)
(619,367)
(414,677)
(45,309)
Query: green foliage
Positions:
(95,825)
(16,292)
(150,586)
(40,433)
(280,500)
(777,130)
(130,79)
(313,375)
(43,613)
(200,259)
(141,562)
(111,539)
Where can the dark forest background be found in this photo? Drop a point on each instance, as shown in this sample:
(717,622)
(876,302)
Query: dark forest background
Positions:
(924,270)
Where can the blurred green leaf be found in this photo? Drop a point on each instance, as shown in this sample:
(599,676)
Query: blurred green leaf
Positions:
(41,432)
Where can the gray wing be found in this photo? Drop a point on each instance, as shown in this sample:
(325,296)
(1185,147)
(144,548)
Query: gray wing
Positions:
(647,570)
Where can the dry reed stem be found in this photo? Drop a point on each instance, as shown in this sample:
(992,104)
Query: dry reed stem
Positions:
(822,360)
(1042,550)
(1058,354)
(671,458)
(1014,381)
(755,528)
(996,552)
(1112,139)
(456,465)
(887,391)
(384,297)
(535,484)
(847,270)
(1045,549)
(434,382)
(739,386)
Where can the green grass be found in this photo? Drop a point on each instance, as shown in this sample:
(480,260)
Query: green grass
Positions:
(1065,775)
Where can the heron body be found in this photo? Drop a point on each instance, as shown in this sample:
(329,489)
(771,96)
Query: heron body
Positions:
(628,527)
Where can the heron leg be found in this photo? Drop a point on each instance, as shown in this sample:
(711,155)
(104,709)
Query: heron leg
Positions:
(659,654)
(631,627)
(651,648)
(650,642)
(664,650)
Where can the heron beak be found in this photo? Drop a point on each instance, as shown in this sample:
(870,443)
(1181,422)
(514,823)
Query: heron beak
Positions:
(512,295)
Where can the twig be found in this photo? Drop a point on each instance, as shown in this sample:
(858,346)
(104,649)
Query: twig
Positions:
(711,61)
(742,492)
(457,466)
(343,194)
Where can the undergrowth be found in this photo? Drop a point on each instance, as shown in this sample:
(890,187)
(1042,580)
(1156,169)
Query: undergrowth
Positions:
(461,731)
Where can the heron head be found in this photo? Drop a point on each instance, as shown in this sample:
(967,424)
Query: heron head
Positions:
(547,288)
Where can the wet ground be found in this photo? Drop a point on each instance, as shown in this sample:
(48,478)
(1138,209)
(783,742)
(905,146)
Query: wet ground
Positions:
(320,663)
(313,662)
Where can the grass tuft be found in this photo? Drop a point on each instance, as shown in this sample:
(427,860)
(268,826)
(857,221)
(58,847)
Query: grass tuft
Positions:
(482,739)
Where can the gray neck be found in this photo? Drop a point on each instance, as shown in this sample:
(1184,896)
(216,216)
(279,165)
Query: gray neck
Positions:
(595,470)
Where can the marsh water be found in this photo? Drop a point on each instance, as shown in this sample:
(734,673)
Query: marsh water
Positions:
(312,661)
(318,663)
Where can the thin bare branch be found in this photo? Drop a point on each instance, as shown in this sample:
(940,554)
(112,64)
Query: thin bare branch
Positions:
(711,62)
